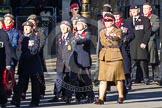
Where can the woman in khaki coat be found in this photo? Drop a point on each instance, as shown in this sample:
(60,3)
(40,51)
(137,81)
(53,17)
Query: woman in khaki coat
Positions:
(110,59)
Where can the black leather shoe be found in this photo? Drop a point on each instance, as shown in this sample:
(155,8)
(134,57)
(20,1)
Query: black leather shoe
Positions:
(120,100)
(15,103)
(99,102)
(54,99)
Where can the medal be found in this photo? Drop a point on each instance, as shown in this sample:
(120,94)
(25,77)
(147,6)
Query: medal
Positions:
(69,47)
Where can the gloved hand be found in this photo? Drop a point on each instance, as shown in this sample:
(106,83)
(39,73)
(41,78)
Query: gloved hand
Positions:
(8,67)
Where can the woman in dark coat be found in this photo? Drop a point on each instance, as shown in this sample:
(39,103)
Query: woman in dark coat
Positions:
(82,61)
(29,66)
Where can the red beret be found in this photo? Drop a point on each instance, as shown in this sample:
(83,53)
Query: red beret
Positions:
(74,5)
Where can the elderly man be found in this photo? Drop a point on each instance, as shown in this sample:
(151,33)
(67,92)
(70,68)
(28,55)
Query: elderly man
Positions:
(138,46)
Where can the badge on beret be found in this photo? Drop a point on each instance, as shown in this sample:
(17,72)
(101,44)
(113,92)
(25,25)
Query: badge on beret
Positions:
(69,47)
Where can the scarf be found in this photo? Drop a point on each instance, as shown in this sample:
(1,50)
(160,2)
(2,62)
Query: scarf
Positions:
(11,26)
(118,23)
(148,15)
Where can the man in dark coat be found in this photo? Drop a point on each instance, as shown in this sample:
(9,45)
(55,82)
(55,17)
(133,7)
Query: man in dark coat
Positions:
(5,62)
(138,46)
(64,49)
(152,45)
(29,66)
(127,36)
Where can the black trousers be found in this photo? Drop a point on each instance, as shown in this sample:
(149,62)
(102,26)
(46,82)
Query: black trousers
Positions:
(3,94)
(62,79)
(140,70)
(41,85)
(35,86)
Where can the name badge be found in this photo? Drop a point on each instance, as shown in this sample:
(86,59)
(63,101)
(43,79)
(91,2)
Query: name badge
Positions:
(31,43)
(139,27)
(1,44)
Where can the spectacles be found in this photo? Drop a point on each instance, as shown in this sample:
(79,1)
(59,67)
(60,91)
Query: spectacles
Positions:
(76,9)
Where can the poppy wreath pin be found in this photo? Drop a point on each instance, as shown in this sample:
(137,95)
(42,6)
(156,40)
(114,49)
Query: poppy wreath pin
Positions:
(84,34)
(139,20)
(122,24)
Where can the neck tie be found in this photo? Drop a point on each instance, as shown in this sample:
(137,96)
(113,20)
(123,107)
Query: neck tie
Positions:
(63,40)
(134,22)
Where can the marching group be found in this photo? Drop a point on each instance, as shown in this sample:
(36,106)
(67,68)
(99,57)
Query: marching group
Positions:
(125,49)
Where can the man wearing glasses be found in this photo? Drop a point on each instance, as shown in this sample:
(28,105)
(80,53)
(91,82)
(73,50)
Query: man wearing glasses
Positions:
(74,9)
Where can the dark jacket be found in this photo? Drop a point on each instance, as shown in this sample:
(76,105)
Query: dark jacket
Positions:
(142,31)
(40,31)
(152,45)
(127,36)
(64,50)
(29,63)
(5,50)
(82,49)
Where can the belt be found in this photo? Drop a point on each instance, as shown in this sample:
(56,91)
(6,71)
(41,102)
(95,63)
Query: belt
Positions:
(111,46)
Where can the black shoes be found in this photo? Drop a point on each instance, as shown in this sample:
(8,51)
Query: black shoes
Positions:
(15,103)
(54,99)
(99,102)
(120,100)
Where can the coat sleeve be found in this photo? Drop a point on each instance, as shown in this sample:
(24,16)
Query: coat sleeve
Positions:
(98,39)
(15,39)
(43,37)
(83,40)
(147,31)
(130,34)
(7,49)
(155,24)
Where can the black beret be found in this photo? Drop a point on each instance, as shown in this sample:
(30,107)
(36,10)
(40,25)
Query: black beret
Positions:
(117,11)
(32,17)
(106,9)
(28,23)
(81,19)
(66,23)
(134,6)
(109,17)
(75,17)
(9,15)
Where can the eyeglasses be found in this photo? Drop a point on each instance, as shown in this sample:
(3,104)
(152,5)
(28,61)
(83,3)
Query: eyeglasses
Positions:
(76,9)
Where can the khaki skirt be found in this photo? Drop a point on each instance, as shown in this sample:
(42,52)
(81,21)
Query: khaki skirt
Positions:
(111,71)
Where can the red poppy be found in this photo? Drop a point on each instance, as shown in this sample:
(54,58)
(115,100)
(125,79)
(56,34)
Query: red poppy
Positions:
(84,34)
